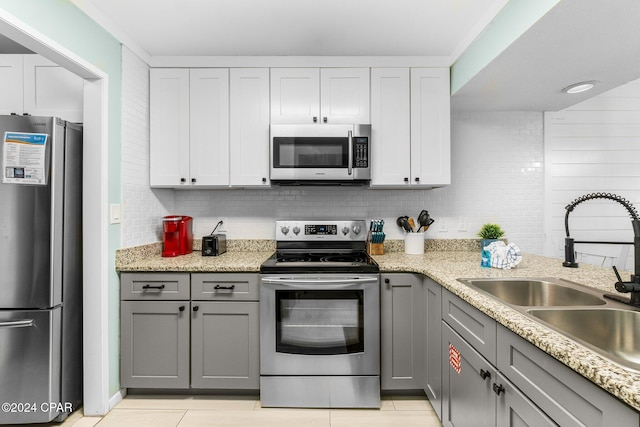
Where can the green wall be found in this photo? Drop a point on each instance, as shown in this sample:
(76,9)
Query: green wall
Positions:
(64,23)
(514,19)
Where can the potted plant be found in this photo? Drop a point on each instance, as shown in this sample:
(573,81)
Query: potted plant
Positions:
(490,233)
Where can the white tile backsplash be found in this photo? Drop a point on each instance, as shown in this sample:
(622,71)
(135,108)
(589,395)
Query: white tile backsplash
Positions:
(497,176)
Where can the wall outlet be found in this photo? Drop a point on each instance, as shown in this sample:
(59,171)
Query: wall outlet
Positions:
(462,225)
(222,228)
(442,226)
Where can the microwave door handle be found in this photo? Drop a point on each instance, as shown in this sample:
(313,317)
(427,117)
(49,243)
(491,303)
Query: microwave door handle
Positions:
(350,138)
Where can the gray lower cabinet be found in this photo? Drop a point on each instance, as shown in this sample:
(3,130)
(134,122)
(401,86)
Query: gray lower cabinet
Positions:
(225,345)
(566,396)
(225,331)
(154,344)
(402,330)
(475,394)
(181,330)
(432,293)
(503,380)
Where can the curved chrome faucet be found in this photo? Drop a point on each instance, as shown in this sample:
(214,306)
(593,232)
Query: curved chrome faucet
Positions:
(633,286)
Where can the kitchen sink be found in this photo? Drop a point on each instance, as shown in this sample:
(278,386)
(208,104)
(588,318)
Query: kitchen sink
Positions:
(547,292)
(613,332)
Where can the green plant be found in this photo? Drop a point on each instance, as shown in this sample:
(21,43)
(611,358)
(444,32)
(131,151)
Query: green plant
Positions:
(490,231)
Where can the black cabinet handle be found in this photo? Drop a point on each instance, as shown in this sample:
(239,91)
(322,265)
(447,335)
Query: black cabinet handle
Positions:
(315,119)
(264,180)
(196,308)
(324,119)
(497,389)
(406,179)
(228,288)
(183,179)
(153,287)
(387,281)
(193,180)
(417,179)
(484,374)
(181,308)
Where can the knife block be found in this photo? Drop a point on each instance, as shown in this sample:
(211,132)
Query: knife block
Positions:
(375,248)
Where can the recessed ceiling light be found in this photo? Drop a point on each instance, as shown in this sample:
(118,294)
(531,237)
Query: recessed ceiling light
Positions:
(580,87)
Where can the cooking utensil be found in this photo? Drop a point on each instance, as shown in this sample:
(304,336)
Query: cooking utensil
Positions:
(403,223)
(424,220)
(411,223)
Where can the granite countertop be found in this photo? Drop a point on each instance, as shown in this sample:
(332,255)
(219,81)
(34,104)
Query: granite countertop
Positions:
(445,267)
(444,264)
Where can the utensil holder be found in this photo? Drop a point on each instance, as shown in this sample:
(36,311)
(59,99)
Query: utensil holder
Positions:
(414,243)
(375,248)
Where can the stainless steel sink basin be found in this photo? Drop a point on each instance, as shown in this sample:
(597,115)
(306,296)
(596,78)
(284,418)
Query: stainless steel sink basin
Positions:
(547,292)
(611,331)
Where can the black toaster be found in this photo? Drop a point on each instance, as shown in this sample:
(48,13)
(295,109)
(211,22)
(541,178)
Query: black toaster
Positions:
(214,245)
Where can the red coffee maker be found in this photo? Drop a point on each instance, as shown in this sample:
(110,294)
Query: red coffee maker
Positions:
(177,235)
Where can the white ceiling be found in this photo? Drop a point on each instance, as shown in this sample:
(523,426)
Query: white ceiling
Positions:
(577,40)
(296,27)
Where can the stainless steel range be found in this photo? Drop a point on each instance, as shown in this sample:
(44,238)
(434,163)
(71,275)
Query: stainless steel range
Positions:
(320,318)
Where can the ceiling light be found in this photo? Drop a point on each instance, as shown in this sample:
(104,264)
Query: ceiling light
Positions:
(580,87)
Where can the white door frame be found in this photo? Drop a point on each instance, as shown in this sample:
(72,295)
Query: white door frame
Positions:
(95,220)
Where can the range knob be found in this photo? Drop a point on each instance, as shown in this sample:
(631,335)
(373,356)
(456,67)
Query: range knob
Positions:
(296,230)
(345,230)
(357,229)
(284,229)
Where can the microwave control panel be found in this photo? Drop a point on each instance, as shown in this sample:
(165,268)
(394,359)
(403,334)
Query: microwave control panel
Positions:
(360,152)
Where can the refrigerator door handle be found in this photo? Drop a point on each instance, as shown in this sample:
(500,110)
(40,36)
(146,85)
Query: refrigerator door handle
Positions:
(27,323)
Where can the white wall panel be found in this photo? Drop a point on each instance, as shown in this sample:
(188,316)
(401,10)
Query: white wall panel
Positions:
(591,147)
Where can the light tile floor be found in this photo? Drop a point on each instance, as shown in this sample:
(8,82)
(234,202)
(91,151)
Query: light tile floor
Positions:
(241,411)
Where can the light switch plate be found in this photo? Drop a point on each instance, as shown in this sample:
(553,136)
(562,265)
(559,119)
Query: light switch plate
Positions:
(115,213)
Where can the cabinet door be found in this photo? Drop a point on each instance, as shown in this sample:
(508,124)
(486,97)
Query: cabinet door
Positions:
(169,127)
(468,399)
(513,409)
(52,90)
(249,122)
(11,84)
(225,345)
(430,127)
(344,95)
(478,329)
(390,127)
(209,126)
(295,95)
(566,396)
(154,344)
(432,292)
(402,332)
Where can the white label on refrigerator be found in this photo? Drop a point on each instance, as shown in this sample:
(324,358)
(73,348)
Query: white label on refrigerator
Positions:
(24,158)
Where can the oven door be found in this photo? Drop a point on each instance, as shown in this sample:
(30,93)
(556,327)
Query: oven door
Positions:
(320,325)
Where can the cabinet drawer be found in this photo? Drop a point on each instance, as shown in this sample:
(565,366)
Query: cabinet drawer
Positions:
(475,327)
(567,397)
(154,286)
(224,287)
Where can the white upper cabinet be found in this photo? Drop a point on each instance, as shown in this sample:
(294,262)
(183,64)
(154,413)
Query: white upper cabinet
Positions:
(410,121)
(34,85)
(430,127)
(11,84)
(326,95)
(189,127)
(295,95)
(390,127)
(249,127)
(344,95)
(209,126)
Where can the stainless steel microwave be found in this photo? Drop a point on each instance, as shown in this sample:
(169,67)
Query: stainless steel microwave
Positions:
(320,154)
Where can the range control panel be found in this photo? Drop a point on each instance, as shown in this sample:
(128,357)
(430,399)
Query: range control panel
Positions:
(298,230)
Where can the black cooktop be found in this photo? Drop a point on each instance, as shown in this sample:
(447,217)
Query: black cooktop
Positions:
(319,262)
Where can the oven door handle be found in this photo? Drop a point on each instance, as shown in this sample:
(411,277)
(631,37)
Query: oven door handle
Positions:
(345,281)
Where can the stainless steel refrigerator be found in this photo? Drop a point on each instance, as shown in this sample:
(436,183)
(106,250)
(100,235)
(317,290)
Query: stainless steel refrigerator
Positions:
(40,269)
